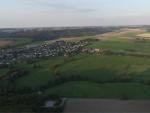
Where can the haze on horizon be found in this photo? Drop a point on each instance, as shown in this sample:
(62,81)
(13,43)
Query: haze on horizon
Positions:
(53,13)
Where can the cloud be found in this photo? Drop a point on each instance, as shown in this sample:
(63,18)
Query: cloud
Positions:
(85,10)
(60,5)
(56,4)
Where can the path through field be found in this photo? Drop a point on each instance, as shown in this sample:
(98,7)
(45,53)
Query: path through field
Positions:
(106,106)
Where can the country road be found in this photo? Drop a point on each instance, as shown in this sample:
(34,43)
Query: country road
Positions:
(106,106)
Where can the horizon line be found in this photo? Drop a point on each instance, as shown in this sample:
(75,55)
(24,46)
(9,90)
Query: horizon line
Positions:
(73,26)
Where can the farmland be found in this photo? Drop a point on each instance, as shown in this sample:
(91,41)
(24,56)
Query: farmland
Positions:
(90,90)
(145,35)
(14,42)
(95,70)
(92,72)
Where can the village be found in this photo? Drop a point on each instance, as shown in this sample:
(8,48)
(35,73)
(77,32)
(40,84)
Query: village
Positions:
(58,48)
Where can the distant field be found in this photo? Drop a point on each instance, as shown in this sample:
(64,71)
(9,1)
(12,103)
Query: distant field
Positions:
(14,42)
(121,44)
(5,42)
(128,33)
(125,39)
(145,35)
(72,39)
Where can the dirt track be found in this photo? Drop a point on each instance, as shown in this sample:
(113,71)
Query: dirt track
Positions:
(106,106)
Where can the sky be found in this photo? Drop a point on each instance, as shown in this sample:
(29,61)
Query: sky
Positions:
(54,13)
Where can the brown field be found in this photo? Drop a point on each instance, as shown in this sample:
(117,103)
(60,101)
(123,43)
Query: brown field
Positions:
(5,42)
(106,106)
(123,33)
(71,39)
(144,35)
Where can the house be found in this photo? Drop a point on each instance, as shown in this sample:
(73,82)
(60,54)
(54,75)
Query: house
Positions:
(97,50)
(53,106)
(49,104)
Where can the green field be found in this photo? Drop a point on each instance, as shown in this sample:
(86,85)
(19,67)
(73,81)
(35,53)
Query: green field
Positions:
(90,75)
(83,89)
(126,45)
(96,69)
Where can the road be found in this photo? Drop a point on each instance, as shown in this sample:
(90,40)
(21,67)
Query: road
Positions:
(106,106)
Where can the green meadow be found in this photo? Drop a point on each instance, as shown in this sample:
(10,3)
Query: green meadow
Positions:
(90,75)
(124,44)
(83,89)
(97,73)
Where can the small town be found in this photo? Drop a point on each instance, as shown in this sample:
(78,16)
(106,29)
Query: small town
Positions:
(58,48)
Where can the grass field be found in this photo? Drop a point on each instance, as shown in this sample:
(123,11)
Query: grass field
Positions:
(85,89)
(127,40)
(38,76)
(112,63)
(97,68)
(132,45)
(95,71)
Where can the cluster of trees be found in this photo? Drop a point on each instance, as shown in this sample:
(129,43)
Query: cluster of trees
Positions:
(49,34)
(13,74)
(28,100)
(58,80)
